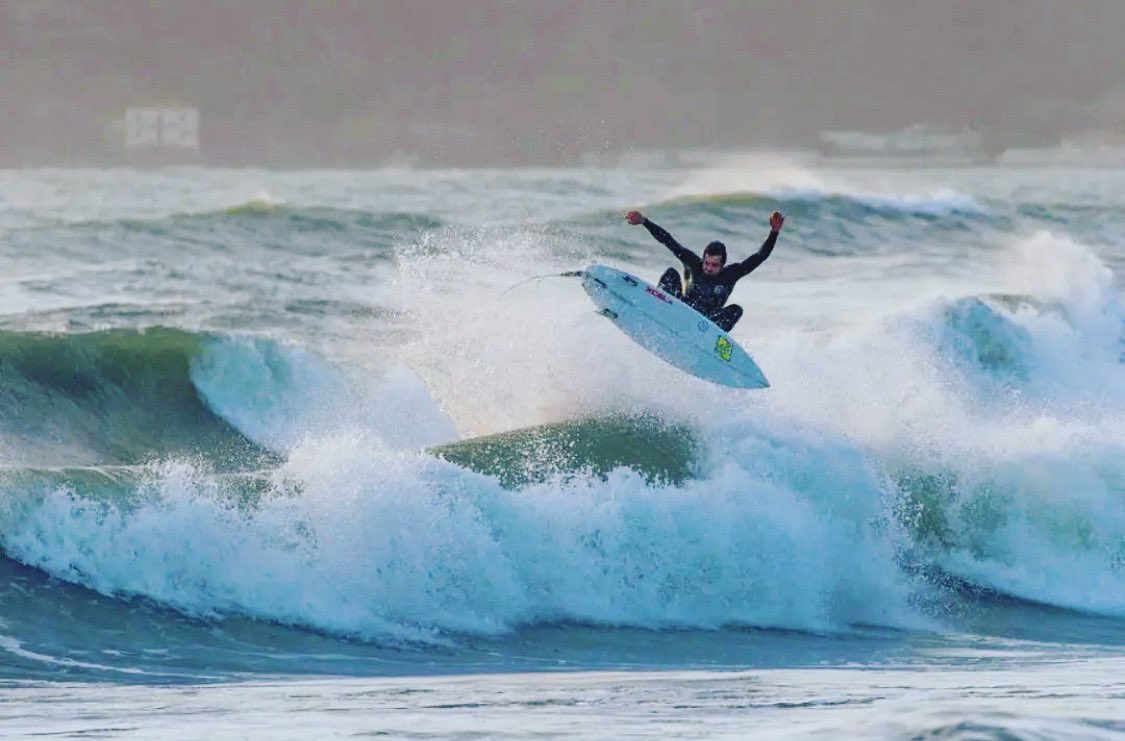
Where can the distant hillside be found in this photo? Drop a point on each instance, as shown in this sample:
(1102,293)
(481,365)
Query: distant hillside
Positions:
(507,81)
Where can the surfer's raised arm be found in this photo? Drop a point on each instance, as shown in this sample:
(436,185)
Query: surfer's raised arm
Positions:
(686,256)
(741,269)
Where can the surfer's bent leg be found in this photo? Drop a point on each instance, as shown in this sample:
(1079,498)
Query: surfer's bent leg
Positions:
(727,317)
(670,283)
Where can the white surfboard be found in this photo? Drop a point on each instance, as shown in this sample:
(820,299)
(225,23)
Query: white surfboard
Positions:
(670,329)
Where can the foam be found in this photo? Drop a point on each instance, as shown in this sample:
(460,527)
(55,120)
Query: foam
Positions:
(783,179)
(360,541)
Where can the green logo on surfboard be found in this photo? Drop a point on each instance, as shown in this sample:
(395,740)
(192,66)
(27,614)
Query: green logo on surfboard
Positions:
(723,348)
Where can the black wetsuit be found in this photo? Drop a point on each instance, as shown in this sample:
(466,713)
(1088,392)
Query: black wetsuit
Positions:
(707,294)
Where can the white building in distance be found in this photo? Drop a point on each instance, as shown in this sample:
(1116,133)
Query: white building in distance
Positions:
(169,130)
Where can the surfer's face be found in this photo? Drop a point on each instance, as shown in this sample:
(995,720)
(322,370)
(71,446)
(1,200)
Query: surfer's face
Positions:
(712,264)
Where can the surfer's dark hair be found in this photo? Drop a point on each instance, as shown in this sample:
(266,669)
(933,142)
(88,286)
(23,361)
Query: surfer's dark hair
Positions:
(718,249)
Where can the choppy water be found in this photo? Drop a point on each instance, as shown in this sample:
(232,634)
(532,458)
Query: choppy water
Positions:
(219,511)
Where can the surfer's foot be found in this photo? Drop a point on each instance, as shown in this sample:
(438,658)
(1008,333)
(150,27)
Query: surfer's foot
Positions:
(670,283)
(728,317)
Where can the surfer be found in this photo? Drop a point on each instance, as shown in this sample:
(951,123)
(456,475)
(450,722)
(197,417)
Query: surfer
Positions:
(708,281)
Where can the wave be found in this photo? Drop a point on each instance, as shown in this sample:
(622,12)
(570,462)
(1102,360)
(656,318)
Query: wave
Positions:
(321,218)
(959,440)
(350,539)
(852,207)
(828,224)
(158,446)
(396,547)
(1030,503)
(999,421)
(1064,338)
(311,230)
(297,229)
(777,181)
(126,397)
(1042,527)
(659,450)
(980,334)
(117,396)
(353,539)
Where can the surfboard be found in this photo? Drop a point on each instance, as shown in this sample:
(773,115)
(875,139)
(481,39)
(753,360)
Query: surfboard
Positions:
(670,329)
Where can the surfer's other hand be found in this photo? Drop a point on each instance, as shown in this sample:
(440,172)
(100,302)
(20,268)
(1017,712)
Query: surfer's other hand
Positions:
(776,220)
(634,217)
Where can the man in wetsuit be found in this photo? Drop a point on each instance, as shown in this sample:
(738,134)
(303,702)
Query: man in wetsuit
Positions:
(708,281)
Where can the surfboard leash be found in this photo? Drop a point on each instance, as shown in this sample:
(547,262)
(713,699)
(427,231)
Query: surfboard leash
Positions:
(568,274)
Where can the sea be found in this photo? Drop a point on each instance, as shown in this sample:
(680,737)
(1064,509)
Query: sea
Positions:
(339,453)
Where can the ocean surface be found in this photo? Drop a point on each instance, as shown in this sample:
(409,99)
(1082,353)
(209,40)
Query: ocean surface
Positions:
(322,454)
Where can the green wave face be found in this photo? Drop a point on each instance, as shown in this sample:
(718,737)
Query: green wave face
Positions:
(658,450)
(114,397)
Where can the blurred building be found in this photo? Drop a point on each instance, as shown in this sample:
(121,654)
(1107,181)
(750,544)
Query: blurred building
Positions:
(161,134)
(915,142)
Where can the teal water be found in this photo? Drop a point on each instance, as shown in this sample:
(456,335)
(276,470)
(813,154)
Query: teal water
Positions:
(220,393)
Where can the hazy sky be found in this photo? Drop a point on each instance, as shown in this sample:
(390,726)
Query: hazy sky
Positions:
(515,81)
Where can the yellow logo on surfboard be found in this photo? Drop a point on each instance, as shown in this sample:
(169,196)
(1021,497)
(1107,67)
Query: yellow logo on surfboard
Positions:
(723,348)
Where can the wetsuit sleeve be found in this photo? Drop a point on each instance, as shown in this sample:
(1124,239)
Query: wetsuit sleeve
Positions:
(741,269)
(683,254)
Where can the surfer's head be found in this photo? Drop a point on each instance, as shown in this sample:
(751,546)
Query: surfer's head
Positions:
(714,257)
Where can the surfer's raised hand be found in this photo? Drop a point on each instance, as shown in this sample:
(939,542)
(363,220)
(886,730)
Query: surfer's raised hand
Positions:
(776,220)
(634,218)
